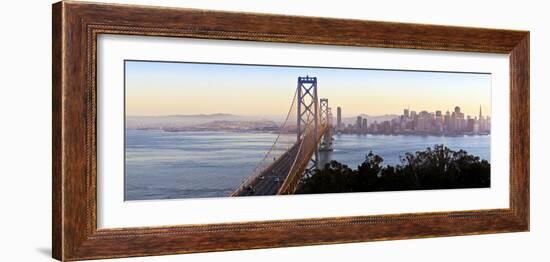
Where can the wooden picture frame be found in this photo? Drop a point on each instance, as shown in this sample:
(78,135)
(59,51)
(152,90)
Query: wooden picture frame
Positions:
(76,26)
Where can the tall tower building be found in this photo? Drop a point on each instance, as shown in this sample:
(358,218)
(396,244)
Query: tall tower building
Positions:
(481,123)
(447,121)
(339,117)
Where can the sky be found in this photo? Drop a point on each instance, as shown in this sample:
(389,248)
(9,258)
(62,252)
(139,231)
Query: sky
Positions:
(169,88)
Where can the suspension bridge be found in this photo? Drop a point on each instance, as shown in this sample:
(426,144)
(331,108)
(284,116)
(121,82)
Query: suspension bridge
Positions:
(289,159)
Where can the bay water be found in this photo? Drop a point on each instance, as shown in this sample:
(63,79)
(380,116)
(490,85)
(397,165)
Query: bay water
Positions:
(173,165)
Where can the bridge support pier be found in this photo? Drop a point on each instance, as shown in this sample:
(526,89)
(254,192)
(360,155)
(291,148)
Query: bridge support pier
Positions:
(326,120)
(307,112)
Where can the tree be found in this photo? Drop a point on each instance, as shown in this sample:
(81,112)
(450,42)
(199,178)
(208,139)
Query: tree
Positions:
(440,168)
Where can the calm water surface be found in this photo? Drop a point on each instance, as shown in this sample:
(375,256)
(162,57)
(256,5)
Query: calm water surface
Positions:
(168,165)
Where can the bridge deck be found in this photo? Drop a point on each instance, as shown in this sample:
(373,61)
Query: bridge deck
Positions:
(270,180)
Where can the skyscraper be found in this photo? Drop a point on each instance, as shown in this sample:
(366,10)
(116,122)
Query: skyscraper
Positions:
(339,117)
(481,123)
(447,121)
(460,122)
(414,118)
(480,116)
(424,121)
(470,124)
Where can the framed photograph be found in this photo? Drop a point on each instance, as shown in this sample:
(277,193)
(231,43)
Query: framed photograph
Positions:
(181,130)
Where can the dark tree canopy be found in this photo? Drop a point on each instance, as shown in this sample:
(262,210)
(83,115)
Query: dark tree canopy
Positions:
(437,168)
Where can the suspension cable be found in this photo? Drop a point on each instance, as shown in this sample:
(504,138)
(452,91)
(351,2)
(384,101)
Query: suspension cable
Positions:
(258,169)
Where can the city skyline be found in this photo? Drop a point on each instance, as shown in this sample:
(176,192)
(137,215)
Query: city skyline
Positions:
(439,122)
(165,88)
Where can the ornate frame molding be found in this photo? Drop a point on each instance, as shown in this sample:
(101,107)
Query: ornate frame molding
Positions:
(76,26)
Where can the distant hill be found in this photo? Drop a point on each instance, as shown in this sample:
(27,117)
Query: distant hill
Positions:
(180,120)
(205,115)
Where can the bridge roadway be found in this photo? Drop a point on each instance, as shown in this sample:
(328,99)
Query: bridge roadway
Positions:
(271,179)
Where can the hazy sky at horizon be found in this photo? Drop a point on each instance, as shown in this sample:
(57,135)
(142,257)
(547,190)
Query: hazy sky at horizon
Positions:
(161,88)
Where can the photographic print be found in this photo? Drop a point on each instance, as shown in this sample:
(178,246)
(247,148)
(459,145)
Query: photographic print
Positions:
(197,130)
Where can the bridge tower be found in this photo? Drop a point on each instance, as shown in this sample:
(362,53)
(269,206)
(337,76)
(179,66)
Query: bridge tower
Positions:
(326,119)
(307,110)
